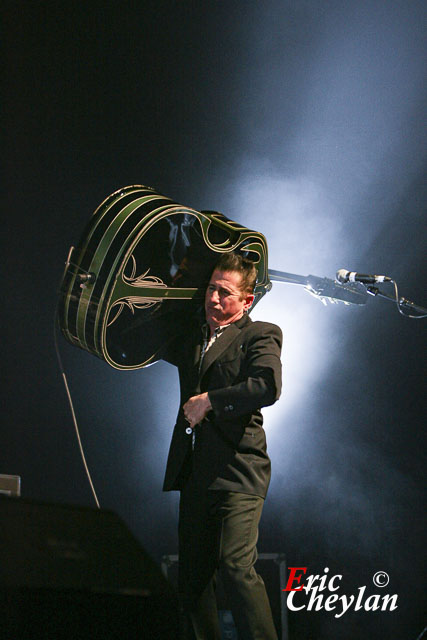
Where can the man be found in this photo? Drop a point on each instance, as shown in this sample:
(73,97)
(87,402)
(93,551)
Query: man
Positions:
(228,370)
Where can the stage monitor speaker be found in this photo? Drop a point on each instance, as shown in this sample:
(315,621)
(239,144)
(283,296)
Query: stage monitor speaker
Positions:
(76,573)
(10,485)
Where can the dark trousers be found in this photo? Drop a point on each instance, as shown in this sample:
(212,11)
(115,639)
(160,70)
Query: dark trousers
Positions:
(218,531)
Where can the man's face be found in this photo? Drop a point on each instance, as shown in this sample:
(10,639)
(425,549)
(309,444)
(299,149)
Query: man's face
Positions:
(224,301)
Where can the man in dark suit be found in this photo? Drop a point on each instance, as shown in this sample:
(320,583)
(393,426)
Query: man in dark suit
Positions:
(229,368)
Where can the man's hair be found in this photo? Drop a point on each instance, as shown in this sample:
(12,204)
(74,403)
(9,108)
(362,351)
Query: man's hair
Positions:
(246,268)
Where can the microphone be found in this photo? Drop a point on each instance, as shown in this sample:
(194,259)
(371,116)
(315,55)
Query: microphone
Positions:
(344,276)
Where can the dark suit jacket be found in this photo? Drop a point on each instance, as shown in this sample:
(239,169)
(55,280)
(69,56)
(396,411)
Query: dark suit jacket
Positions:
(242,373)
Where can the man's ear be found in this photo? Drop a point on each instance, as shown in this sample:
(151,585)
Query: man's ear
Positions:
(248,301)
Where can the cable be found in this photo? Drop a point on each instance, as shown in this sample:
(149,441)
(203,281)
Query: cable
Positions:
(76,428)
(422,634)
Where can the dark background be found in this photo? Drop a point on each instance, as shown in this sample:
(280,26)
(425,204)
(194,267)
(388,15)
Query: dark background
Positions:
(303,120)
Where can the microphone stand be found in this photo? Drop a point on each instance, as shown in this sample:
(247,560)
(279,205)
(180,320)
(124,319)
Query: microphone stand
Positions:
(402,303)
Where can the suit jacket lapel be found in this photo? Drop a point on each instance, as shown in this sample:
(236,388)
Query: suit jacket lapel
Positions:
(194,363)
(222,343)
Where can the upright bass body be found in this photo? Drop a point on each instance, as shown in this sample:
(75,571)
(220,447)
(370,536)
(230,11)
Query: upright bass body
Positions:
(140,272)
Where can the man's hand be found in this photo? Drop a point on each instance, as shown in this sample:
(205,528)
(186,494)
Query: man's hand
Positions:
(196,408)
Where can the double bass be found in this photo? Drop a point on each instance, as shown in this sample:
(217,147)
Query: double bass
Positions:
(141,269)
